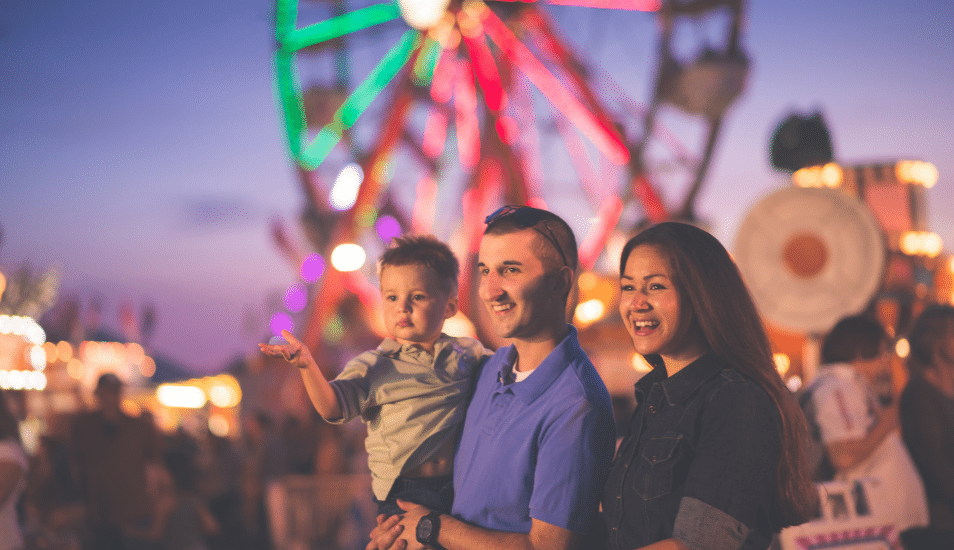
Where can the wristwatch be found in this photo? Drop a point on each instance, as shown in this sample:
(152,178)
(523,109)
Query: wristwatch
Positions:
(428,527)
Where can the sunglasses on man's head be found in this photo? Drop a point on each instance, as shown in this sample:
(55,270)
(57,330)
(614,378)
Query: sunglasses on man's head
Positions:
(526,217)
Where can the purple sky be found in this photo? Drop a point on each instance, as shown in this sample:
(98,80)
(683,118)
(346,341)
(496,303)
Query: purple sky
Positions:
(141,150)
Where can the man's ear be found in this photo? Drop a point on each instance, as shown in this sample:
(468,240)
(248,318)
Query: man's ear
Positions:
(451,309)
(564,280)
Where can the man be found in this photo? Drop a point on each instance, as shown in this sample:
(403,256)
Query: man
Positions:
(112,452)
(539,435)
(927,419)
(859,437)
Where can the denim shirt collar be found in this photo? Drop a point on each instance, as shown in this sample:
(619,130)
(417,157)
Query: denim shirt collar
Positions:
(567,351)
(680,386)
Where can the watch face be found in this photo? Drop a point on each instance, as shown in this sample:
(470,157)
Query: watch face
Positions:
(424,529)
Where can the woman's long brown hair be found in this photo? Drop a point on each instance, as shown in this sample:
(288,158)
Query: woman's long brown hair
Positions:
(723,307)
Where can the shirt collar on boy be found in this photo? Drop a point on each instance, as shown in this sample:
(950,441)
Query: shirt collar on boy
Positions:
(392,348)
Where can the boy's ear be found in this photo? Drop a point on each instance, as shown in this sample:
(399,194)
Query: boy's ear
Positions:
(451,309)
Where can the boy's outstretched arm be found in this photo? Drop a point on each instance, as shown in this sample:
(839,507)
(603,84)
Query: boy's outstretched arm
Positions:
(322,395)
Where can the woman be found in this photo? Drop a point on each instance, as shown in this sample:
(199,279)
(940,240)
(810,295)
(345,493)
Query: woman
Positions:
(13,469)
(714,453)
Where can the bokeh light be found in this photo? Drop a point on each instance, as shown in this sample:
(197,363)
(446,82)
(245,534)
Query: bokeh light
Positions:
(38,357)
(348,257)
(22,380)
(590,311)
(74,368)
(175,395)
(344,193)
(225,392)
(219,425)
(921,243)
(296,297)
(387,228)
(333,331)
(459,326)
(917,172)
(422,14)
(51,354)
(281,321)
(902,347)
(312,268)
(147,367)
(64,350)
(782,363)
(640,364)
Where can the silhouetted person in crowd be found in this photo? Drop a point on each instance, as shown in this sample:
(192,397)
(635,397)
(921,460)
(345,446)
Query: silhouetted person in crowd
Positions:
(181,519)
(13,473)
(113,451)
(927,420)
(860,438)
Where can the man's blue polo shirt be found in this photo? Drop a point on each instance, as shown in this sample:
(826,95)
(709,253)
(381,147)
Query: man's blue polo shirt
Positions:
(540,448)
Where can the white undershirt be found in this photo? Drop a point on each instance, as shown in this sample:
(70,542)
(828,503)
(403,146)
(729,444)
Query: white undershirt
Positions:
(520,376)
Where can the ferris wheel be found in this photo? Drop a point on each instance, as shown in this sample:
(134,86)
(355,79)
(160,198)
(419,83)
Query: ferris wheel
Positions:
(438,111)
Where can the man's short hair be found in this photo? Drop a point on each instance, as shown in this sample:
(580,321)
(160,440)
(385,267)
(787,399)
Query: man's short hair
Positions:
(109,382)
(930,329)
(852,338)
(549,226)
(424,251)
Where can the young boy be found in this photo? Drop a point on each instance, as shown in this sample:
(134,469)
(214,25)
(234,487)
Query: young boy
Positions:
(413,390)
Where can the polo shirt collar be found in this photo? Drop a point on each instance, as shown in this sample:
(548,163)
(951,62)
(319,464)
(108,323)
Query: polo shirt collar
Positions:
(680,386)
(553,365)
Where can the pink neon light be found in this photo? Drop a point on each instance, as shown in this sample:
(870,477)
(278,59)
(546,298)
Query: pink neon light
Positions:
(422,216)
(369,295)
(435,133)
(507,129)
(443,81)
(580,162)
(636,5)
(486,71)
(595,241)
(465,101)
(652,204)
(563,100)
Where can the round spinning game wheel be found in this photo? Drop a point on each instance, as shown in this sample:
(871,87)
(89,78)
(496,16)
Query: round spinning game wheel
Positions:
(810,257)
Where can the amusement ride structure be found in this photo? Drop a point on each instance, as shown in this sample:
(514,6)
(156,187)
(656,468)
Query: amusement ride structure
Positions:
(488,103)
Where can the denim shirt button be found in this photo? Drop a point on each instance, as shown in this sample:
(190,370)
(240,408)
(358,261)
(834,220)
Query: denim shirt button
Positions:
(652,409)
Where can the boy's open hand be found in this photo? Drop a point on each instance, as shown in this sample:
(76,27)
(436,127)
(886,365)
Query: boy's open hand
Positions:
(294,351)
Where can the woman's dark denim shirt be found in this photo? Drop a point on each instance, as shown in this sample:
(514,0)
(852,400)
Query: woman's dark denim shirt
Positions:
(698,462)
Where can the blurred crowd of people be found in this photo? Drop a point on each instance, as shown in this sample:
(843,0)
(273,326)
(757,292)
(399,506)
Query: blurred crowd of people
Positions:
(104,480)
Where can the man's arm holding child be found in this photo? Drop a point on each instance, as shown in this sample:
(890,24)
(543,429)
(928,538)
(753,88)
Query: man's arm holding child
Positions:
(322,395)
(399,533)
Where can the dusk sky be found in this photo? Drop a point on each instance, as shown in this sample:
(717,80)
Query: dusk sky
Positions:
(142,153)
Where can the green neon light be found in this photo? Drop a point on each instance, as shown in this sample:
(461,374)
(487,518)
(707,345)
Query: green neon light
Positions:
(359,100)
(424,68)
(296,39)
(290,97)
(289,89)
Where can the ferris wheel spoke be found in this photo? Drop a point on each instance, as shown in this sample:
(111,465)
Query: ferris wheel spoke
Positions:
(294,39)
(359,100)
(550,85)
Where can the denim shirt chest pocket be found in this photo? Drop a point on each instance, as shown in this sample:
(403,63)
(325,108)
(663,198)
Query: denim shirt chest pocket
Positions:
(657,465)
